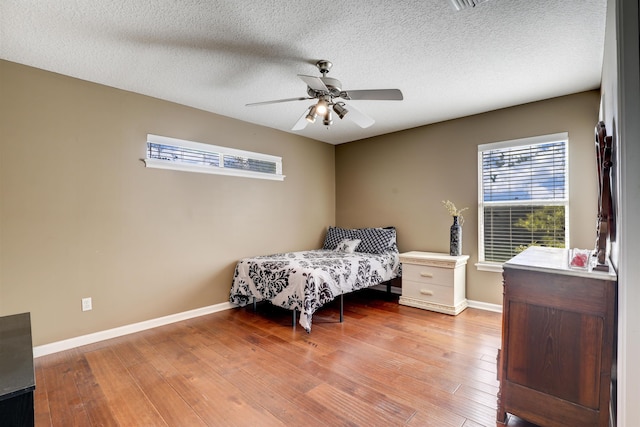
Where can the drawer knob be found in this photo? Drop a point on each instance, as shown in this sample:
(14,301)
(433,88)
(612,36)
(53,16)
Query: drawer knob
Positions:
(426,292)
(424,274)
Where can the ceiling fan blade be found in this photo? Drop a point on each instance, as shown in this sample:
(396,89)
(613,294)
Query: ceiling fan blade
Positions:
(314,83)
(358,117)
(302,121)
(373,94)
(253,104)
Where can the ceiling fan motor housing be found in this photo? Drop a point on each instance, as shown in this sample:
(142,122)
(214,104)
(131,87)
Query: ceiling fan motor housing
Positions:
(324,66)
(334,86)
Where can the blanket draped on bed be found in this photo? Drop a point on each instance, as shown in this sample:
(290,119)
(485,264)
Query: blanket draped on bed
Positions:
(305,281)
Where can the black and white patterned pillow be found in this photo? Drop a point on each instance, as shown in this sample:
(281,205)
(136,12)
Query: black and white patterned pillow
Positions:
(376,240)
(335,235)
(394,240)
(373,240)
(348,245)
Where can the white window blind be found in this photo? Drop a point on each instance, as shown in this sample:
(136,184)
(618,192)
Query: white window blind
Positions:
(523,196)
(177,154)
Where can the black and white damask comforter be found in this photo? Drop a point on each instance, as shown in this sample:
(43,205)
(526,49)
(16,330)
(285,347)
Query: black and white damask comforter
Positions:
(305,281)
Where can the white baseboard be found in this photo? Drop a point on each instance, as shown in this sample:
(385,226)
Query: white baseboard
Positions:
(485,306)
(54,347)
(43,350)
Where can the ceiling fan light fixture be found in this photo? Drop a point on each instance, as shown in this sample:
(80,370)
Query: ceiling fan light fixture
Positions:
(340,109)
(327,119)
(321,107)
(311,117)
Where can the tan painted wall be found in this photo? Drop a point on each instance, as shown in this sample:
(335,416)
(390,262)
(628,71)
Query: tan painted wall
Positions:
(80,215)
(400,179)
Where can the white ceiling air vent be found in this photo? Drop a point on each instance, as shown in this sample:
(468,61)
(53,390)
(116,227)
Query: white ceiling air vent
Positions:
(464,4)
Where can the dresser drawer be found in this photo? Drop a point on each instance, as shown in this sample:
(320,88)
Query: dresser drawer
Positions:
(427,274)
(428,292)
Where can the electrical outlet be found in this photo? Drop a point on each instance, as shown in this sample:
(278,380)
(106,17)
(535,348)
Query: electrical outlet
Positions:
(86,304)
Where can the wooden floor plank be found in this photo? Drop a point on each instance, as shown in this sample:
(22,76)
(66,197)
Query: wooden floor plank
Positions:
(95,402)
(172,408)
(479,396)
(386,364)
(354,409)
(431,419)
(65,403)
(40,397)
(126,399)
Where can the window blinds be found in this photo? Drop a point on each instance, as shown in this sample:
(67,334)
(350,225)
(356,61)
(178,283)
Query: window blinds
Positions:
(170,153)
(523,198)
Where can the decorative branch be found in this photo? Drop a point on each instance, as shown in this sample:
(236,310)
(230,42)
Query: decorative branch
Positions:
(453,211)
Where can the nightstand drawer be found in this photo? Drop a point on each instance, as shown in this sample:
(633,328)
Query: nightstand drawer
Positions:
(427,274)
(429,292)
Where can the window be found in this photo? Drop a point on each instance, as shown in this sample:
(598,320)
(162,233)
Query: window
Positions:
(177,154)
(523,197)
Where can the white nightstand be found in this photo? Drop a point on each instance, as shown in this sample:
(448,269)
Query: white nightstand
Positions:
(434,281)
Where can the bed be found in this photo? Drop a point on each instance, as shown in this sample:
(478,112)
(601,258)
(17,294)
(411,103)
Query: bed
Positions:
(304,281)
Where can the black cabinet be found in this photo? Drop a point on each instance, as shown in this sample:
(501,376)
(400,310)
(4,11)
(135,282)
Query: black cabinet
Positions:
(17,378)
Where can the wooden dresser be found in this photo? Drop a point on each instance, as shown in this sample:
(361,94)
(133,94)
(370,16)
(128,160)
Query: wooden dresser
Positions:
(434,281)
(557,341)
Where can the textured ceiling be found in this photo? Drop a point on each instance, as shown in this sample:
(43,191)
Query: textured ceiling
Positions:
(220,55)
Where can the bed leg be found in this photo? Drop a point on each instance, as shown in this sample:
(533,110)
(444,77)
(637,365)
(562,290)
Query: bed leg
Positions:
(294,318)
(341,307)
(255,304)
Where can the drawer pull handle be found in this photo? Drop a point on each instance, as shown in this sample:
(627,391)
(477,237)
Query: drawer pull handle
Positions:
(426,274)
(426,292)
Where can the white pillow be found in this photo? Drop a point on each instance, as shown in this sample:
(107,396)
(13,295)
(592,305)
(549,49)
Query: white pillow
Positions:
(348,245)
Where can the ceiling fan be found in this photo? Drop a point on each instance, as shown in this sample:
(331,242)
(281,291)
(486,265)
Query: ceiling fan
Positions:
(328,91)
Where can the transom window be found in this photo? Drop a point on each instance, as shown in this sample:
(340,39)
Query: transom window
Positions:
(523,196)
(178,154)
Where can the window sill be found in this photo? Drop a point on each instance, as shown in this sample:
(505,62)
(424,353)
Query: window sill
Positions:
(163,164)
(493,267)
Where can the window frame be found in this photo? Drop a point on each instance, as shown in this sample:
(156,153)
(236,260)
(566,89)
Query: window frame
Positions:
(494,266)
(213,150)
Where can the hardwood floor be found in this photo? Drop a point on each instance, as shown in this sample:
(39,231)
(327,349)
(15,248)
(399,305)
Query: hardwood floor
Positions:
(386,365)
